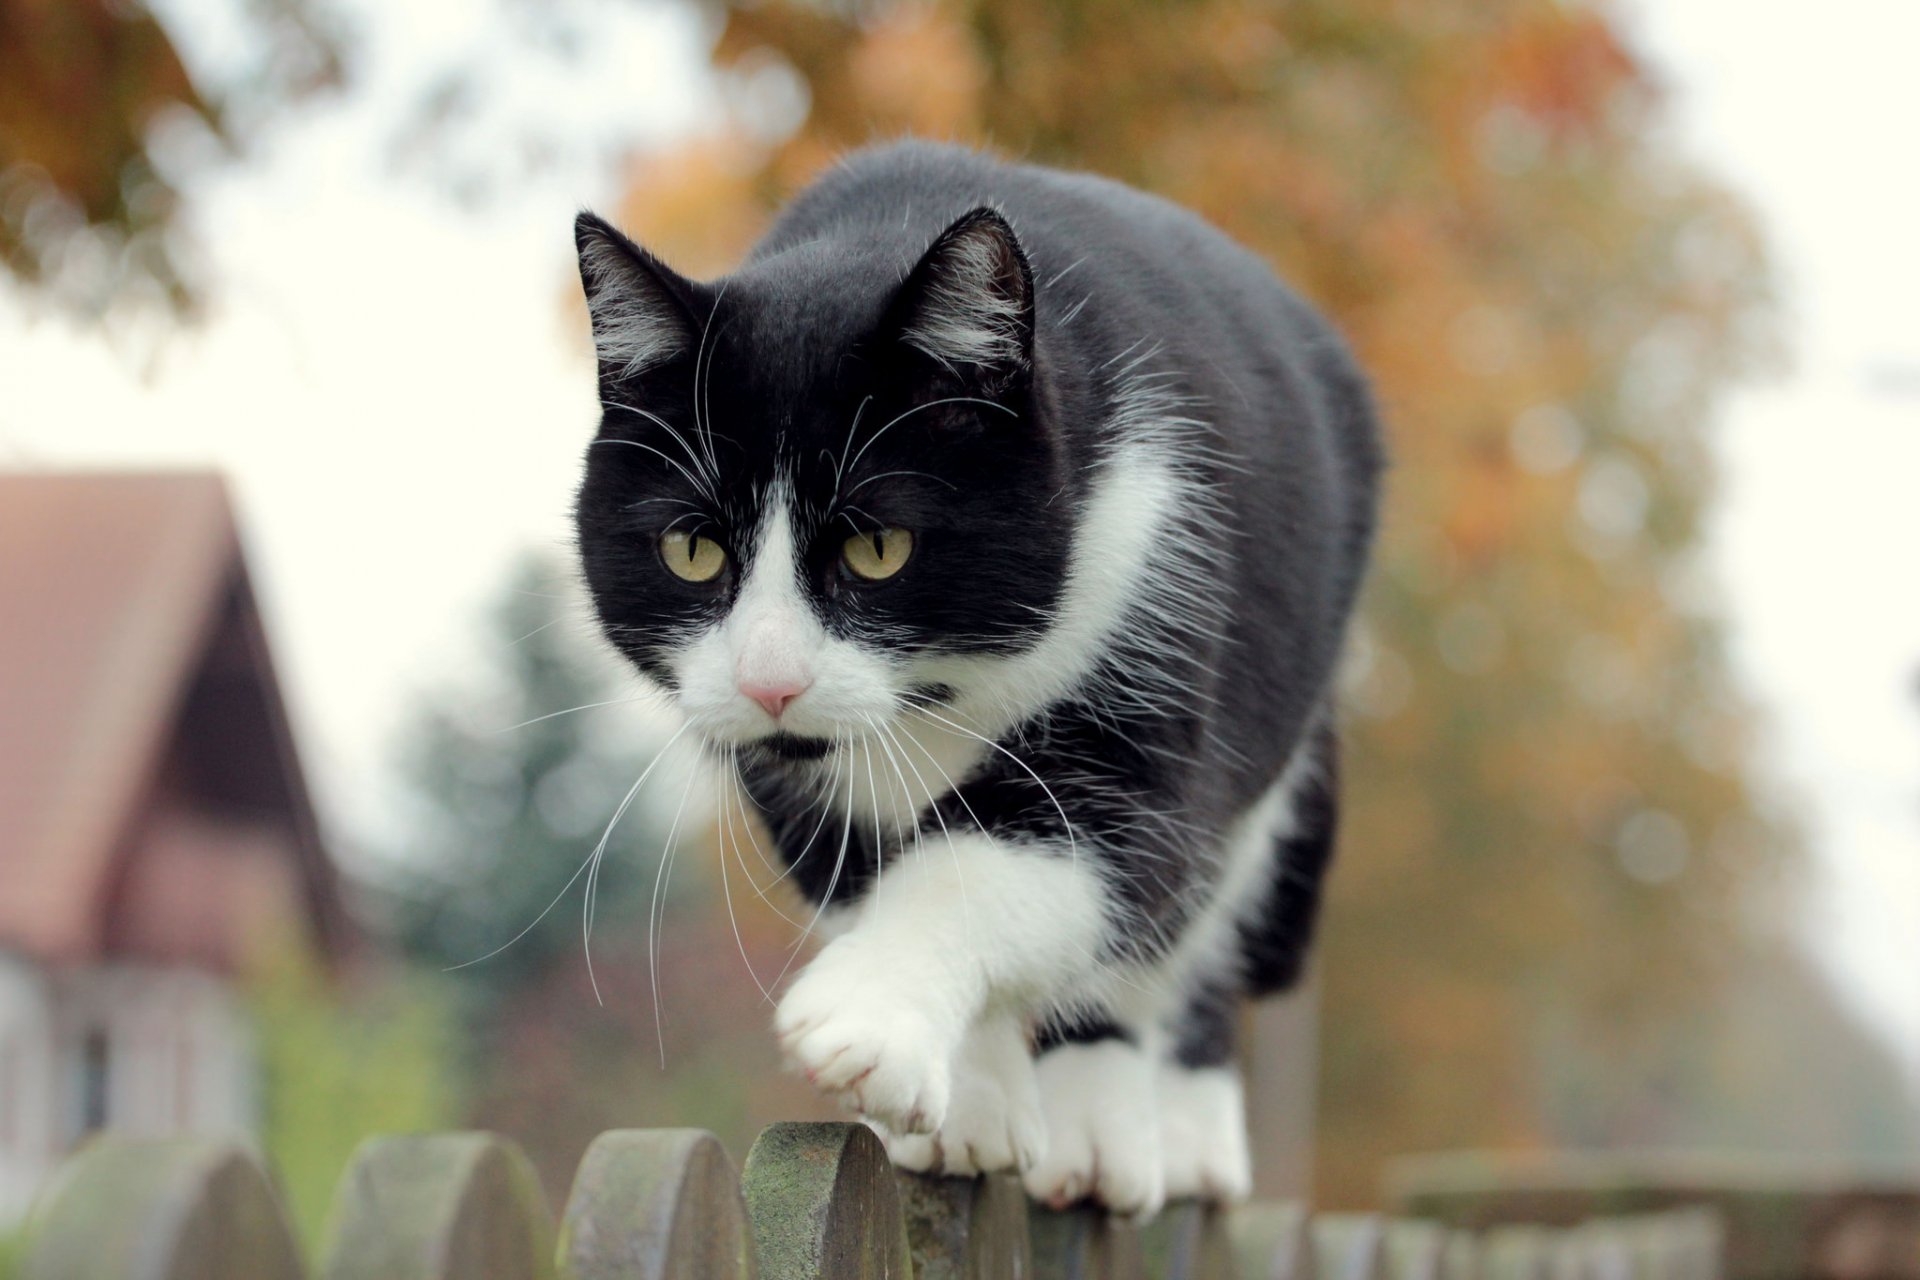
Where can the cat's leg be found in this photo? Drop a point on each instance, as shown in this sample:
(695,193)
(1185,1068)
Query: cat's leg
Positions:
(1203,1115)
(1203,1107)
(1274,940)
(993,1119)
(941,937)
(1097,1091)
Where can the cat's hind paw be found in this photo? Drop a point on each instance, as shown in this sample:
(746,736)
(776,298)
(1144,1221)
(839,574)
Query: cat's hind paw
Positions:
(994,1122)
(1103,1138)
(1203,1133)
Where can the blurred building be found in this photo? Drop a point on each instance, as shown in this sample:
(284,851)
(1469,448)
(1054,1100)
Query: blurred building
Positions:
(155,832)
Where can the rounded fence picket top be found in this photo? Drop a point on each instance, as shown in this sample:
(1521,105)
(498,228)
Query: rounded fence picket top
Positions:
(1272,1242)
(177,1209)
(1415,1250)
(1460,1257)
(1349,1246)
(823,1203)
(1516,1252)
(966,1228)
(648,1204)
(1084,1243)
(454,1206)
(1188,1240)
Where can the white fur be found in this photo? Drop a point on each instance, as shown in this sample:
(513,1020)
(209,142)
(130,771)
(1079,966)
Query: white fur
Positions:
(1129,511)
(994,1120)
(1156,994)
(771,635)
(945,936)
(632,329)
(1103,1133)
(1203,1133)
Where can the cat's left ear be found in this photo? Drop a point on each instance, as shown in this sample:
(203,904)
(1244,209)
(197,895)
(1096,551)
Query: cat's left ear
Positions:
(640,307)
(968,303)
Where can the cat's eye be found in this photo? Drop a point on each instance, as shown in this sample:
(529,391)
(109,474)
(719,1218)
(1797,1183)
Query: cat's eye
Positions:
(691,556)
(877,555)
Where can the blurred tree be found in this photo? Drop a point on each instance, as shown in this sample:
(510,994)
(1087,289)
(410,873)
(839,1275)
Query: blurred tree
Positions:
(510,783)
(90,197)
(1554,845)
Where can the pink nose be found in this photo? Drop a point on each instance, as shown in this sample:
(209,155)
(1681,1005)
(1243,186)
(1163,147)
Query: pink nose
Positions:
(774,695)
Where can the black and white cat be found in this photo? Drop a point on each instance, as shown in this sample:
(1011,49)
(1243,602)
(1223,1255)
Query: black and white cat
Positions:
(999,527)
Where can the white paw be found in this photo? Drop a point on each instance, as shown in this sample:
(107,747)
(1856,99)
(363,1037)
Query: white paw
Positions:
(855,1037)
(1103,1138)
(993,1118)
(1203,1133)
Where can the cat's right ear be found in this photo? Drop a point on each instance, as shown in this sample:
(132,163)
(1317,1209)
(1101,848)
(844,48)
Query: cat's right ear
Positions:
(641,308)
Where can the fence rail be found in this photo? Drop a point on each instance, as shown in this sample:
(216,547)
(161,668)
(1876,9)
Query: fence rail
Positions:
(813,1202)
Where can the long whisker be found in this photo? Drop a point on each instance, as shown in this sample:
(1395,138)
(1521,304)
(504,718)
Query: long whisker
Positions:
(693,457)
(585,706)
(655,915)
(726,887)
(840,463)
(933,804)
(931,404)
(839,862)
(739,797)
(586,863)
(698,482)
(1092,958)
(1073,846)
(924,475)
(873,794)
(703,415)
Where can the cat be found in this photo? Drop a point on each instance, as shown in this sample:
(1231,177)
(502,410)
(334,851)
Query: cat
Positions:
(998,527)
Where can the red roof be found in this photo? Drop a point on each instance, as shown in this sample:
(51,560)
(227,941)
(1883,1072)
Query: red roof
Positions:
(138,707)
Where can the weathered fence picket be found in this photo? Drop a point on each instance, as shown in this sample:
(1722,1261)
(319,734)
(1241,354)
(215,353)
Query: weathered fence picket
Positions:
(447,1206)
(1084,1244)
(1349,1246)
(1414,1250)
(167,1210)
(1188,1241)
(1272,1242)
(652,1203)
(966,1228)
(813,1202)
(823,1202)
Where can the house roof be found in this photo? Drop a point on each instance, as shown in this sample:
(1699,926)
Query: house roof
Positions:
(125,611)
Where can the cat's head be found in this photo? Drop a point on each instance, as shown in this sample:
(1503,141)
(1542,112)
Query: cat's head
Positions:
(825,488)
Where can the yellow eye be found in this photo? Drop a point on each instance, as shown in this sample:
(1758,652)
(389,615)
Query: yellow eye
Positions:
(691,556)
(874,556)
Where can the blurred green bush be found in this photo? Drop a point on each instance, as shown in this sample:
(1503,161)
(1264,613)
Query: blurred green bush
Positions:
(343,1058)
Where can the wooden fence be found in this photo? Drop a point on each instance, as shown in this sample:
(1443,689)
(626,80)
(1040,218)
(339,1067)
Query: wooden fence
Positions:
(1782,1218)
(814,1202)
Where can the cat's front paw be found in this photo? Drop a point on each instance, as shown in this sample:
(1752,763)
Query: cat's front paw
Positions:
(855,1038)
(994,1122)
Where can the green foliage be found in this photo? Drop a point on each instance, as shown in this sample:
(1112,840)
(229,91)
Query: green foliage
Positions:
(10,1250)
(341,1062)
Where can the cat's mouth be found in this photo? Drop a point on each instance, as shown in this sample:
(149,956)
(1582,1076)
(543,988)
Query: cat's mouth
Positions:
(792,746)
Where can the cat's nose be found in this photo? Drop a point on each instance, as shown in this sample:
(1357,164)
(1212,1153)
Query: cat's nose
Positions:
(774,695)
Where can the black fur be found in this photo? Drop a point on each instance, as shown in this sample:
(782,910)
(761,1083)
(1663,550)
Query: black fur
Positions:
(1194,712)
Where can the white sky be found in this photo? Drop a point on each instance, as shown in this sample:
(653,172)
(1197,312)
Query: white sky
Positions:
(393,387)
